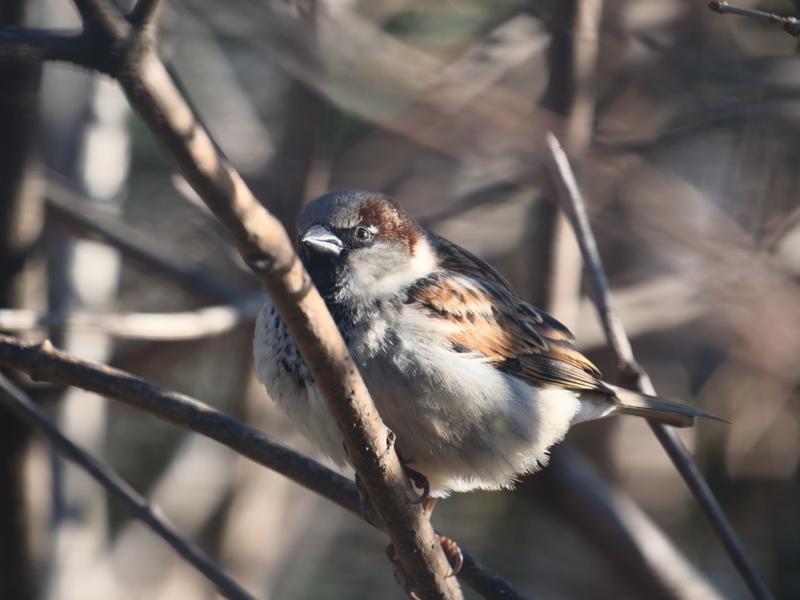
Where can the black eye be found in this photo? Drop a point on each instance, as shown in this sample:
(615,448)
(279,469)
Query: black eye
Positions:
(363,233)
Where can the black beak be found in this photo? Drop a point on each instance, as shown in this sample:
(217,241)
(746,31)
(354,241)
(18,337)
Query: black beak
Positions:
(320,240)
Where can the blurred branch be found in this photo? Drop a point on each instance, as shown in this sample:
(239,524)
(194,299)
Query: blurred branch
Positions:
(465,109)
(608,517)
(261,240)
(790,25)
(303,111)
(572,203)
(667,295)
(72,209)
(570,93)
(35,46)
(210,225)
(15,400)
(192,489)
(569,198)
(408,86)
(643,556)
(21,218)
(175,326)
(144,14)
(104,18)
(494,194)
(44,362)
(268,250)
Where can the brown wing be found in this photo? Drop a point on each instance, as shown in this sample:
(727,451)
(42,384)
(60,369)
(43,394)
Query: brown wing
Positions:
(490,319)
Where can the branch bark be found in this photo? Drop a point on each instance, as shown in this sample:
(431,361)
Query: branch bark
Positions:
(267,249)
(144,14)
(204,322)
(16,401)
(265,245)
(46,363)
(790,25)
(572,203)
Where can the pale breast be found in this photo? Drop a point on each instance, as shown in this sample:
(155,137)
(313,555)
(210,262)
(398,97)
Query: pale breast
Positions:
(458,419)
(289,384)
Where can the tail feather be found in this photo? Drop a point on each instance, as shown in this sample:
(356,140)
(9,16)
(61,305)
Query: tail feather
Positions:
(656,409)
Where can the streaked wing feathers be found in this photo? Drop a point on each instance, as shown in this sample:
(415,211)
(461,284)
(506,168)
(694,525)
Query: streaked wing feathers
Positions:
(489,318)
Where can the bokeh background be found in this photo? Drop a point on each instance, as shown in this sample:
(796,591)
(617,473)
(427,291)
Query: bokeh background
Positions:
(683,128)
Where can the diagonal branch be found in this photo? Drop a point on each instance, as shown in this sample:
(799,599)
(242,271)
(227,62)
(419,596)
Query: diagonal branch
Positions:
(73,210)
(103,17)
(16,401)
(571,202)
(790,25)
(144,14)
(266,247)
(46,363)
(643,556)
(207,321)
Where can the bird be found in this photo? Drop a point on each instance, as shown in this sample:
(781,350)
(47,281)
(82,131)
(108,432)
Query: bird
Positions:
(476,383)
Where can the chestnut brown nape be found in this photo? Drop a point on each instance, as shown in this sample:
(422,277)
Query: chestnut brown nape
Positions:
(392,222)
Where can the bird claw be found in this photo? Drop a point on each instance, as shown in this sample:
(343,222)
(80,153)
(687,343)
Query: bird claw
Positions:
(451,550)
(420,482)
(418,479)
(453,553)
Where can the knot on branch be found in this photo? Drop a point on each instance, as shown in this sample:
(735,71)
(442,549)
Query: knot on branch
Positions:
(270,266)
(122,56)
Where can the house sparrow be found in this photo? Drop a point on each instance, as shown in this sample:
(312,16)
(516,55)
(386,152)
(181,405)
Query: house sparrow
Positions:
(476,383)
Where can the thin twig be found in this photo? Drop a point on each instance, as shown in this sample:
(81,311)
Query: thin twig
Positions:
(790,25)
(144,15)
(46,363)
(35,45)
(16,401)
(573,55)
(101,17)
(494,194)
(203,322)
(572,203)
(77,212)
(569,198)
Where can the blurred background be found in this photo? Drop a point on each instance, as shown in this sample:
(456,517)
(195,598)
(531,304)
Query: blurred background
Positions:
(682,126)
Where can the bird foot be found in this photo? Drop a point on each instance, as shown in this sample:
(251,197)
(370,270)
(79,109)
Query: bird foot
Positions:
(451,550)
(453,553)
(420,482)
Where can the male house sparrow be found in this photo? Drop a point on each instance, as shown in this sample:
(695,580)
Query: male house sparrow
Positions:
(476,383)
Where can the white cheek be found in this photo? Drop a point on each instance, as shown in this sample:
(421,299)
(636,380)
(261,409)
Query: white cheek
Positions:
(377,278)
